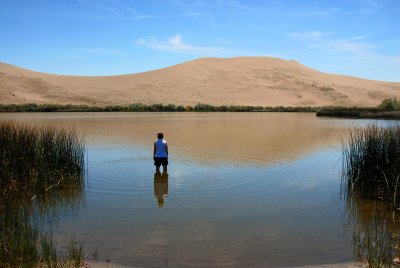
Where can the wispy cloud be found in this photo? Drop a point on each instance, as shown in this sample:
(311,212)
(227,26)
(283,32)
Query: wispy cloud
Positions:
(309,35)
(308,13)
(326,41)
(215,8)
(349,45)
(219,8)
(356,44)
(196,14)
(176,44)
(364,7)
(353,50)
(370,3)
(112,12)
(240,6)
(105,52)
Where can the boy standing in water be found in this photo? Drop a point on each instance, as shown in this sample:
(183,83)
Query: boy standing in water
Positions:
(160,153)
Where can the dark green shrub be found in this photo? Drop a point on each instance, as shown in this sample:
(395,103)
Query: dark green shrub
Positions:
(390,104)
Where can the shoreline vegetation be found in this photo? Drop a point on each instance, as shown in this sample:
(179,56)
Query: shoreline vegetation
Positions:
(371,181)
(387,109)
(41,171)
(140,107)
(358,113)
(371,163)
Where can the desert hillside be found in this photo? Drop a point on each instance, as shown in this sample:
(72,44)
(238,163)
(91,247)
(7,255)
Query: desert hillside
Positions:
(261,81)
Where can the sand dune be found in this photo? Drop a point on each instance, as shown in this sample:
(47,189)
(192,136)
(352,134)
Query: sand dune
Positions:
(219,81)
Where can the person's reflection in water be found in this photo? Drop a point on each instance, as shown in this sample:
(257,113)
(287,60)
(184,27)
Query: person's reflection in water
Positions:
(160,187)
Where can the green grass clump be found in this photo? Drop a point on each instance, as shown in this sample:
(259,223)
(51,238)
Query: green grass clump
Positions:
(372,163)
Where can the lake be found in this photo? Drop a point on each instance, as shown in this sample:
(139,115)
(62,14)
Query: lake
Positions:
(243,189)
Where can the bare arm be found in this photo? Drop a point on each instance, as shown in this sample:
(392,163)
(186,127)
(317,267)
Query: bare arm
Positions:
(166,148)
(154,151)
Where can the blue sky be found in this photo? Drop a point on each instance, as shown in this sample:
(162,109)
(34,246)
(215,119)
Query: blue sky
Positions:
(106,37)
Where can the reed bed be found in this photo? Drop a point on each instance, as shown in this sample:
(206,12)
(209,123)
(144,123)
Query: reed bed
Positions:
(371,187)
(22,241)
(374,231)
(41,175)
(34,160)
(358,112)
(371,163)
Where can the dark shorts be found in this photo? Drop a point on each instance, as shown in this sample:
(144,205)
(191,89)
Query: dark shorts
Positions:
(158,161)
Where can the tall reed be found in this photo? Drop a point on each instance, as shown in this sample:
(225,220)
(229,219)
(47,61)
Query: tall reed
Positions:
(371,187)
(374,230)
(41,172)
(34,160)
(371,163)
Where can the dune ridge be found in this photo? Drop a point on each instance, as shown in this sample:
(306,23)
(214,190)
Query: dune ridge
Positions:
(252,81)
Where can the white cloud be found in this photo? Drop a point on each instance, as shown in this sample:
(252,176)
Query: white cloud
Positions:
(356,44)
(357,38)
(105,52)
(112,12)
(239,6)
(176,43)
(196,14)
(350,45)
(309,35)
(352,51)
(370,3)
(310,13)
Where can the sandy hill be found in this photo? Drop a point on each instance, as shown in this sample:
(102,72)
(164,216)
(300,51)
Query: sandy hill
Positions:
(241,81)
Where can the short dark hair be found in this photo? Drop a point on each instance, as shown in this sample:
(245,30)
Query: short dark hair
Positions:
(160,135)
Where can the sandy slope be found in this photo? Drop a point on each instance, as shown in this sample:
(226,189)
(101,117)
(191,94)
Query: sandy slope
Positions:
(242,81)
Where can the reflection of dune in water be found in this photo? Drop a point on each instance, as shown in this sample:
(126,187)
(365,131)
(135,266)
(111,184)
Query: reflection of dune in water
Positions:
(209,138)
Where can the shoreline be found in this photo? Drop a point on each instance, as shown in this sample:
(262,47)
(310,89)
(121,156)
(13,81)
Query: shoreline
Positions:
(320,111)
(98,264)
(156,107)
(358,113)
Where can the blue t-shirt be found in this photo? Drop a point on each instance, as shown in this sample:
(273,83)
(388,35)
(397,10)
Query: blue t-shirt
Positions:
(161,148)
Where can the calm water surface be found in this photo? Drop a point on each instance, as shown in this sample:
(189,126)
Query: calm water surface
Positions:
(243,190)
